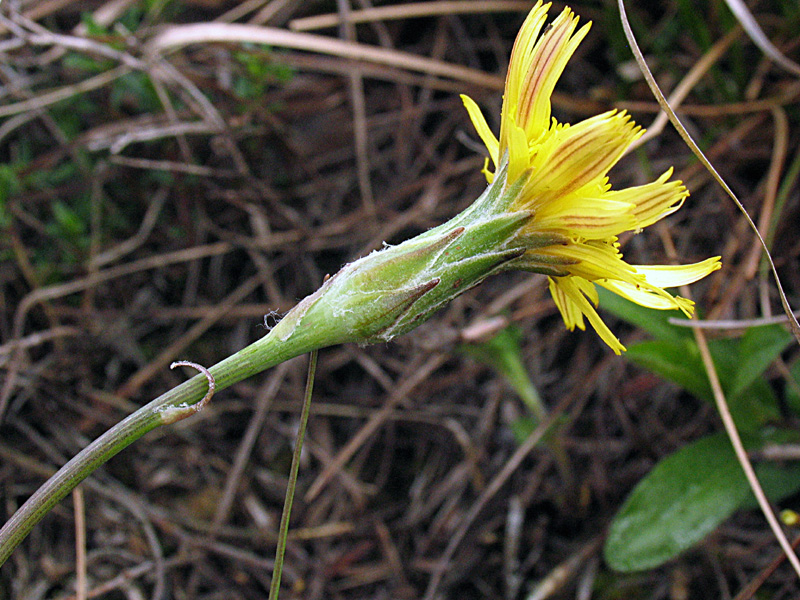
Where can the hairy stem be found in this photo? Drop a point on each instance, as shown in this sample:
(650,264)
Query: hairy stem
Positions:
(263,354)
(374,299)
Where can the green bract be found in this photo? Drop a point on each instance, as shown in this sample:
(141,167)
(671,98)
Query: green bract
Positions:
(392,291)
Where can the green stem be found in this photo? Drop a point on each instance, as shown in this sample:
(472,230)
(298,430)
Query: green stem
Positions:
(263,354)
(373,299)
(283,532)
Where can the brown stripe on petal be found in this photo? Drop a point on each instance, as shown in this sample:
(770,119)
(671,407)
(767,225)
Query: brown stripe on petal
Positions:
(589,166)
(588,172)
(560,169)
(586,221)
(552,39)
(653,199)
(563,153)
(670,193)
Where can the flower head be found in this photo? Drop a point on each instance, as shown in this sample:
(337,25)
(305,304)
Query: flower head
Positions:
(558,173)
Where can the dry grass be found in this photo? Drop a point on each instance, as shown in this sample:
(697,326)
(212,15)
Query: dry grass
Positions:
(161,198)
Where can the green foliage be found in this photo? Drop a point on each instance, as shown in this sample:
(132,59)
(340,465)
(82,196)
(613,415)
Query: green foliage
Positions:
(688,494)
(793,387)
(132,18)
(9,185)
(86,64)
(134,92)
(258,71)
(503,353)
(740,365)
(684,498)
(51,178)
(67,223)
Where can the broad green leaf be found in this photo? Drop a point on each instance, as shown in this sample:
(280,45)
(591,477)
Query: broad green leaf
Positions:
(680,362)
(685,497)
(754,407)
(740,363)
(677,361)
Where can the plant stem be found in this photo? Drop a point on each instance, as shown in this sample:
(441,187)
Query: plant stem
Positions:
(259,356)
(283,532)
(374,299)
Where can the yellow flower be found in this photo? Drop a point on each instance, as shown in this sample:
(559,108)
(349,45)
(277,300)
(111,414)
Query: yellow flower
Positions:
(561,171)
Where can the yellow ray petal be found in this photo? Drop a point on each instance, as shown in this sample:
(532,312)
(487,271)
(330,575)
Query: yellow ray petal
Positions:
(482,128)
(657,299)
(573,305)
(595,260)
(653,201)
(586,217)
(570,311)
(546,65)
(667,276)
(580,155)
(518,66)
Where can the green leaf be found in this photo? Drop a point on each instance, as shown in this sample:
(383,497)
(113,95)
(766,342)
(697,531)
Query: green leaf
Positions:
(523,427)
(92,27)
(134,91)
(685,497)
(740,365)
(503,353)
(69,224)
(677,361)
(793,387)
(759,347)
(754,407)
(675,356)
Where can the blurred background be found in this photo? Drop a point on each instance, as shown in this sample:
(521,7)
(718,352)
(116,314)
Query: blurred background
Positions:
(166,198)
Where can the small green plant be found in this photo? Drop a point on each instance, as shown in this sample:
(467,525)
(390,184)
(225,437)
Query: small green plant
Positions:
(258,71)
(503,353)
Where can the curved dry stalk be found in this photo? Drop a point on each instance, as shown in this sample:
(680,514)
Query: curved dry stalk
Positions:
(719,396)
(793,324)
(746,19)
(407,11)
(173,414)
(203,33)
(686,85)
